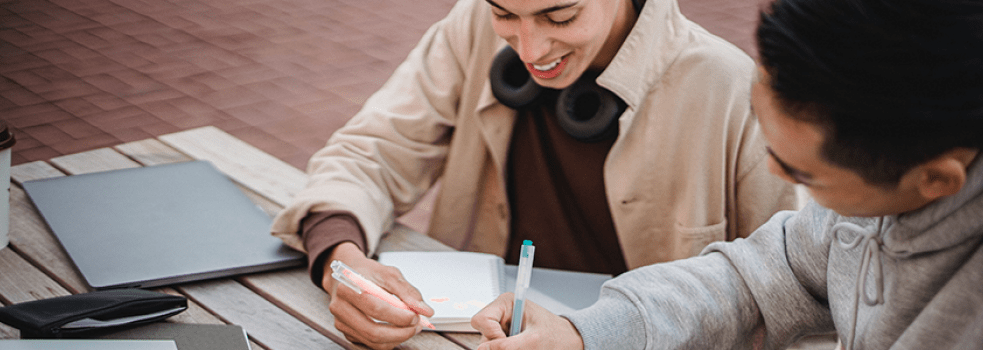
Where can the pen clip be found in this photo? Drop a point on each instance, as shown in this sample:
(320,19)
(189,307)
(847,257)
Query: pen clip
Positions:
(340,272)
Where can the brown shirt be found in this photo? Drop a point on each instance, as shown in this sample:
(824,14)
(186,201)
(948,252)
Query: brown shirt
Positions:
(556,192)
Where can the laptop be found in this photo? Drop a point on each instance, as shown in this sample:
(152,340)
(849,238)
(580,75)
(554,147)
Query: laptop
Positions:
(187,336)
(87,344)
(158,225)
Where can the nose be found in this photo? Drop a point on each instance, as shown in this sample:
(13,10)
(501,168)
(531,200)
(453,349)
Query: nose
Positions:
(532,42)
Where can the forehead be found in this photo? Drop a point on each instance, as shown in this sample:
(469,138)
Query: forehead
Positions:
(779,128)
(537,5)
(794,145)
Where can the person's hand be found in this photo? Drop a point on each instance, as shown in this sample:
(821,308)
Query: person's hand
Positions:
(541,329)
(355,314)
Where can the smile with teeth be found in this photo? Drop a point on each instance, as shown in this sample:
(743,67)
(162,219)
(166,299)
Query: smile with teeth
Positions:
(549,66)
(550,70)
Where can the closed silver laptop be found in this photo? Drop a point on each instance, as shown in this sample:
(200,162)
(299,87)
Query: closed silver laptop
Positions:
(158,225)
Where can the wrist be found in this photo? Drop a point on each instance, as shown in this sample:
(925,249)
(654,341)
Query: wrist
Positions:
(576,341)
(344,251)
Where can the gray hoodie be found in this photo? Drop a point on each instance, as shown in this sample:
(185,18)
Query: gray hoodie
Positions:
(910,281)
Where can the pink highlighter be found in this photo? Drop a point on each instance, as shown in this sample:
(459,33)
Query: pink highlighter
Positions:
(353,280)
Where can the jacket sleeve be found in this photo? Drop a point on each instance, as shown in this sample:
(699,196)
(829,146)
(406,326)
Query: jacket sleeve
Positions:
(392,151)
(762,292)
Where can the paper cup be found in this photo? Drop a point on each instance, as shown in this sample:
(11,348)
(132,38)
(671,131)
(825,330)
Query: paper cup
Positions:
(6,143)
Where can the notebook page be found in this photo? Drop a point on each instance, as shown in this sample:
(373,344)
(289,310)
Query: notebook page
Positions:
(455,284)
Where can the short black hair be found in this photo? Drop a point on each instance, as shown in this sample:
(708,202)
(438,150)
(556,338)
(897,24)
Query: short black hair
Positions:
(892,83)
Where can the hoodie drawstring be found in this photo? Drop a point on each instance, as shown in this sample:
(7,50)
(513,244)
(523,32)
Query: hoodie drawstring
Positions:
(871,244)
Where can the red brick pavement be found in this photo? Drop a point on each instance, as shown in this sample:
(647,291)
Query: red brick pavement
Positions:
(279,74)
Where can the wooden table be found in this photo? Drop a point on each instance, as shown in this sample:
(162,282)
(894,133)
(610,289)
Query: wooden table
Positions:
(279,310)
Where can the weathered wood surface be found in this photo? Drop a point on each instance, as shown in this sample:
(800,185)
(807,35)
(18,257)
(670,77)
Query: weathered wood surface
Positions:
(279,309)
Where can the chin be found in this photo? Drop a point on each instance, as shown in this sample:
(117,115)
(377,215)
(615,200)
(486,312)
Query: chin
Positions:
(859,212)
(558,83)
(843,209)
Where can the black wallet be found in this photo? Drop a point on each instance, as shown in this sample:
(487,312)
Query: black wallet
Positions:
(81,314)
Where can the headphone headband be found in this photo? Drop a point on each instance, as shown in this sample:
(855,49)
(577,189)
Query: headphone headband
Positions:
(585,110)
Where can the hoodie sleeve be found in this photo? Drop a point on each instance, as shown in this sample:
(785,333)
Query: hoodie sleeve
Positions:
(761,292)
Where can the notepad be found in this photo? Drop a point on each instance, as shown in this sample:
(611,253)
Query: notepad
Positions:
(459,284)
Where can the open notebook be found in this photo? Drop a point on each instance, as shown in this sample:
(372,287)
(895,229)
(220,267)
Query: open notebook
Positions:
(459,284)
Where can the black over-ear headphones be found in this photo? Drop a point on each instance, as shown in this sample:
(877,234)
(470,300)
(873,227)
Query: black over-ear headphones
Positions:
(585,110)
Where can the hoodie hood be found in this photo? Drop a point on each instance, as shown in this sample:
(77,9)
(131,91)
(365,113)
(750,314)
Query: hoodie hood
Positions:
(944,223)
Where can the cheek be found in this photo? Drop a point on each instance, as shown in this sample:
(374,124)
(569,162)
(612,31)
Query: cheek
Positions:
(587,37)
(848,203)
(503,29)
(776,170)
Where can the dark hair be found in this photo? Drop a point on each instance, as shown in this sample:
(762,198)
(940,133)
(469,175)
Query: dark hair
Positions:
(893,83)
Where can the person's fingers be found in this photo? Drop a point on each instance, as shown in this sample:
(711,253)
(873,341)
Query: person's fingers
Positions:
(354,338)
(492,320)
(374,307)
(353,322)
(392,280)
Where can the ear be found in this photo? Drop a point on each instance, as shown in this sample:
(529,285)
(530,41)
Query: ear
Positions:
(945,175)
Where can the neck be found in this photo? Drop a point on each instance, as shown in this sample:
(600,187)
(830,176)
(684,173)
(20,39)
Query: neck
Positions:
(623,23)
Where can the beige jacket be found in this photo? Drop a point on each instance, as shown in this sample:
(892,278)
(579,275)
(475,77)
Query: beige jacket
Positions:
(688,167)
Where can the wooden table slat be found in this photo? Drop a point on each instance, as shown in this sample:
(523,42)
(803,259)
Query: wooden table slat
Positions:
(23,282)
(152,152)
(33,171)
(102,159)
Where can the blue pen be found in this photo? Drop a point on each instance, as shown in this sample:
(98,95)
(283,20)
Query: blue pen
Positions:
(521,284)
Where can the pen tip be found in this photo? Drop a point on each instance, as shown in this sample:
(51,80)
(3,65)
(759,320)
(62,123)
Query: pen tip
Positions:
(527,242)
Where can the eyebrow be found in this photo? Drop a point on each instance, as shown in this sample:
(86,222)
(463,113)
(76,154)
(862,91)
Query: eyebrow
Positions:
(540,12)
(794,173)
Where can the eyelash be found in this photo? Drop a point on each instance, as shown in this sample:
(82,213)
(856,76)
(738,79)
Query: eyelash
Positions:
(565,23)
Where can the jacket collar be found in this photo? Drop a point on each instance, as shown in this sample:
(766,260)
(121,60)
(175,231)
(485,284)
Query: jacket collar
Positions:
(650,48)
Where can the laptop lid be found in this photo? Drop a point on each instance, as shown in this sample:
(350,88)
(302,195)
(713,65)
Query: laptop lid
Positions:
(87,344)
(158,225)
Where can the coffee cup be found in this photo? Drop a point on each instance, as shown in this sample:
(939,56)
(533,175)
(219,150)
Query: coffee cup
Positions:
(6,143)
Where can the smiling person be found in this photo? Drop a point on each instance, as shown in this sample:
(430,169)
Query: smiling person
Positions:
(616,133)
(876,107)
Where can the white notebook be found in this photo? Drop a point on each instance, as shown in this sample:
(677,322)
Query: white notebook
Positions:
(459,284)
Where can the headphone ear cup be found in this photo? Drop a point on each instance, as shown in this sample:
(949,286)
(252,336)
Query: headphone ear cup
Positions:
(587,111)
(510,81)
